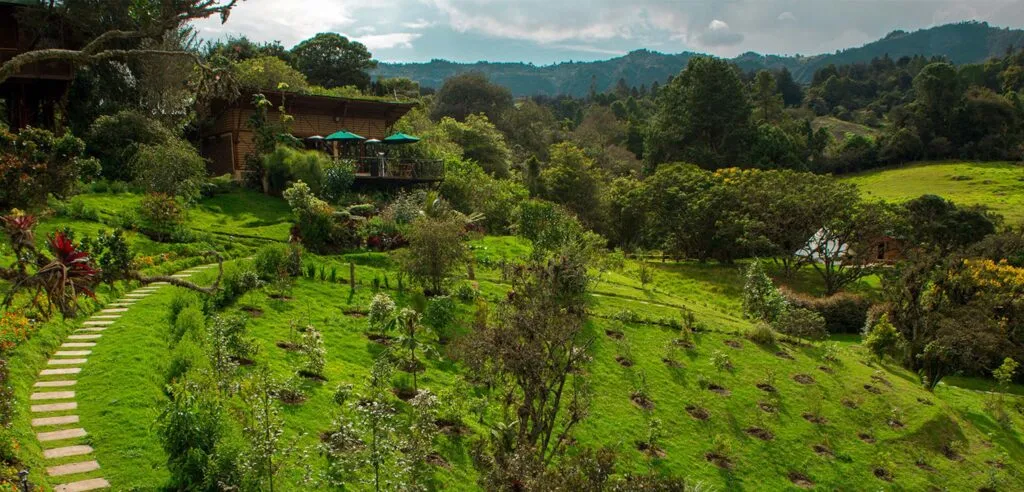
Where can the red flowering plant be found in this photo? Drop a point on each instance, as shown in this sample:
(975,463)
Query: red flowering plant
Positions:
(70,273)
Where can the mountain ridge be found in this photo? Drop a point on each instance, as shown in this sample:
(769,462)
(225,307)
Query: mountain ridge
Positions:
(960,43)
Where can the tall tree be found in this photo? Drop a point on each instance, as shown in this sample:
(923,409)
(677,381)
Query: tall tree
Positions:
(471,93)
(939,93)
(703,117)
(767,100)
(792,93)
(332,60)
(108,32)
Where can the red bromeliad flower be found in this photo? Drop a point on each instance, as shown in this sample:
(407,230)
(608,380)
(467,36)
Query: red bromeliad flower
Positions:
(18,227)
(79,271)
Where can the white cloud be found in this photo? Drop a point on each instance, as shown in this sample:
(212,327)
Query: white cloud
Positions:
(366,30)
(786,17)
(388,41)
(418,24)
(719,33)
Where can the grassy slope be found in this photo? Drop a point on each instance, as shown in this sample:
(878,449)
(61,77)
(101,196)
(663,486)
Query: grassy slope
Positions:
(840,128)
(122,387)
(998,185)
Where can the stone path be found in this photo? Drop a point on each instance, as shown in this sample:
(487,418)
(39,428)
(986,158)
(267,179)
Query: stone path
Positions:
(54,404)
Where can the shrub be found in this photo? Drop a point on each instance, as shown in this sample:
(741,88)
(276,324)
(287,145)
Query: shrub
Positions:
(112,253)
(439,316)
(14,329)
(173,168)
(762,334)
(761,300)
(7,442)
(115,139)
(843,312)
(315,221)
(190,427)
(314,352)
(271,262)
(34,163)
(436,250)
(337,180)
(236,282)
(181,300)
(883,339)
(190,321)
(801,323)
(218,185)
(188,356)
(162,218)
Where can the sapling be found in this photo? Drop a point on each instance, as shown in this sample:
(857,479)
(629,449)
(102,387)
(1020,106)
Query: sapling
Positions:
(376,415)
(314,351)
(382,314)
(418,440)
(263,426)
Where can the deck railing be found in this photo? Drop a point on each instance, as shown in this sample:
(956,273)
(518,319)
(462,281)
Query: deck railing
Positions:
(401,168)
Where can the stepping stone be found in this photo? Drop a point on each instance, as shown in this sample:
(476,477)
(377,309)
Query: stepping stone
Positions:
(77,344)
(72,353)
(121,304)
(91,328)
(62,420)
(133,297)
(84,337)
(72,468)
(66,451)
(61,434)
(97,323)
(106,316)
(55,384)
(52,395)
(83,485)
(66,362)
(60,372)
(114,310)
(55,407)
(160,283)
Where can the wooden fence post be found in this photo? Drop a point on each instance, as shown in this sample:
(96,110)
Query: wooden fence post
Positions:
(352,275)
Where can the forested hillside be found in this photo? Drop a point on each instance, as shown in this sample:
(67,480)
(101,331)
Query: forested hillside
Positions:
(968,42)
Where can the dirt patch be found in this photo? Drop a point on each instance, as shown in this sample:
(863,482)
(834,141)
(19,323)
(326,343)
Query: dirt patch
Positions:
(411,366)
(801,480)
(872,389)
(995,464)
(924,401)
(826,369)
(734,344)
(718,389)
(925,466)
(378,338)
(624,362)
(242,361)
(255,312)
(451,427)
(951,453)
(671,362)
(280,297)
(719,460)
(848,403)
(896,424)
(803,378)
(868,438)
(782,354)
(815,419)
(883,474)
(404,394)
(438,461)
(291,397)
(652,451)
(766,407)
(823,451)
(642,401)
(616,334)
(288,345)
(355,314)
(762,434)
(767,388)
(879,379)
(686,344)
(698,413)
(313,377)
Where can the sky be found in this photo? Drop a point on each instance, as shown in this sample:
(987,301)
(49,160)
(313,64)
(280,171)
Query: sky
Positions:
(551,31)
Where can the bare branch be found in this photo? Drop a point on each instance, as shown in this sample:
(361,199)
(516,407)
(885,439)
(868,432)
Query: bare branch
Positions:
(177,282)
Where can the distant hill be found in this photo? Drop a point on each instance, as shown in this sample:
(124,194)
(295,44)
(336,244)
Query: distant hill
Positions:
(967,42)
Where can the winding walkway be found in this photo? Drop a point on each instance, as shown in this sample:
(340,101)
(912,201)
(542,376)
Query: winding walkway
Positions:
(54,407)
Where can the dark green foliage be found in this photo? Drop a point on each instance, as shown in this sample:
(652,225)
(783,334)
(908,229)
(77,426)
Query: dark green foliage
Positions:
(173,168)
(111,253)
(337,180)
(114,140)
(937,223)
(162,218)
(35,163)
(190,429)
(271,262)
(471,93)
(332,60)
(801,323)
(842,312)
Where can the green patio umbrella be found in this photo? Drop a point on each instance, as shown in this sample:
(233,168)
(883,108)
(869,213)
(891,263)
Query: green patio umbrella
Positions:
(344,136)
(401,138)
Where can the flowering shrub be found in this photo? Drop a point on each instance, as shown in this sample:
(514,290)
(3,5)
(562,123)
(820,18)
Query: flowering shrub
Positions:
(14,329)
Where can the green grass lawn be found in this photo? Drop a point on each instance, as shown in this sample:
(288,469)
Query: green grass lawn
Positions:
(122,389)
(997,185)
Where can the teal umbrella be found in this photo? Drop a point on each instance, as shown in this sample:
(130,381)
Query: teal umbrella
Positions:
(344,136)
(401,138)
